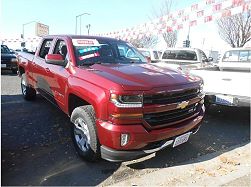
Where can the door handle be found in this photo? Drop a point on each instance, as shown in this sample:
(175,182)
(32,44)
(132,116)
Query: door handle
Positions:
(33,63)
(47,70)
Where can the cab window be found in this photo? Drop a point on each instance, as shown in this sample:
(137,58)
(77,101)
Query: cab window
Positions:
(61,48)
(180,55)
(44,50)
(237,56)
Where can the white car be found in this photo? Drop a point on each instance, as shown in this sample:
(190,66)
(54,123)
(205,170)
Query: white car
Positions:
(152,54)
(236,59)
(186,58)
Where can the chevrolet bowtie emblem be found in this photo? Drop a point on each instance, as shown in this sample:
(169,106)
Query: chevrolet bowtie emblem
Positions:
(183,104)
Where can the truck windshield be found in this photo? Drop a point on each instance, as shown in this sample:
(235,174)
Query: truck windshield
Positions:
(92,51)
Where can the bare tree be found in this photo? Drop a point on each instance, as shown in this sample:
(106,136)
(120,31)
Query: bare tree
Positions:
(147,41)
(235,30)
(169,36)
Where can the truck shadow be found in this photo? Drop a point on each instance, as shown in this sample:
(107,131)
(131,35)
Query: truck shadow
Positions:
(37,147)
(223,129)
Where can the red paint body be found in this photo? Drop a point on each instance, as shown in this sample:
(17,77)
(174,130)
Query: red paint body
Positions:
(95,83)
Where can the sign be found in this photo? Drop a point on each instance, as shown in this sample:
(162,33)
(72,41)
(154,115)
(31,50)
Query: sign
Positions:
(85,42)
(41,29)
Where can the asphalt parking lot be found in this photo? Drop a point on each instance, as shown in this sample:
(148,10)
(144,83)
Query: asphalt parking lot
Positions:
(37,149)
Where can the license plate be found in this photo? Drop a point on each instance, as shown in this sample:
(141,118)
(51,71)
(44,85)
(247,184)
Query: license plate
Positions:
(224,100)
(181,139)
(3,66)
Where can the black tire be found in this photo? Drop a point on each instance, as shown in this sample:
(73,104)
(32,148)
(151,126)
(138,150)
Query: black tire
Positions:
(28,92)
(85,116)
(207,102)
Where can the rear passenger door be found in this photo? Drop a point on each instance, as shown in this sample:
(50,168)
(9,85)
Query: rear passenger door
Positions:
(39,70)
(57,75)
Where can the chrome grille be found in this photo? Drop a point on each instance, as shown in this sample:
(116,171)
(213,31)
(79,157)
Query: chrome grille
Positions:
(171,97)
(167,118)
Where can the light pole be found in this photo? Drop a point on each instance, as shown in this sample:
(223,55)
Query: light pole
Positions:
(26,24)
(80,15)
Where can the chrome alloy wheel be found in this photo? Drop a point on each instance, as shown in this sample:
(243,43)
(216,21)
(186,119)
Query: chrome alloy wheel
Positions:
(81,134)
(23,86)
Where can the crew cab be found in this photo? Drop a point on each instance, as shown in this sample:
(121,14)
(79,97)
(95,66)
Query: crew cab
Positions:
(120,108)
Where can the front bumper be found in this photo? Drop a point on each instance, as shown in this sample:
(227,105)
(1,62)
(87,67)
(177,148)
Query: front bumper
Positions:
(142,142)
(113,155)
(8,65)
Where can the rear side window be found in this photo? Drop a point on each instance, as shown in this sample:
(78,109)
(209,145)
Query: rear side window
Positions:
(202,54)
(243,56)
(155,54)
(44,50)
(237,56)
(180,55)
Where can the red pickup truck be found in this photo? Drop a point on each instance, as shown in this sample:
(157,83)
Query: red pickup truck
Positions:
(120,107)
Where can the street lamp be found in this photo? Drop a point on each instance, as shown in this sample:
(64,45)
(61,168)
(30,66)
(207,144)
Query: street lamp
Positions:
(26,24)
(80,15)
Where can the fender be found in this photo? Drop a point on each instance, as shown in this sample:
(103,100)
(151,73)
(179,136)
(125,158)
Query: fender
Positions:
(90,93)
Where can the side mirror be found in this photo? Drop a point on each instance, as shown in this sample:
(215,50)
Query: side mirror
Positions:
(148,59)
(55,59)
(204,59)
(210,59)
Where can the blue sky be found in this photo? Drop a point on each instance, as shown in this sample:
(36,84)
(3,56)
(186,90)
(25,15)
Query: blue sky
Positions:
(106,16)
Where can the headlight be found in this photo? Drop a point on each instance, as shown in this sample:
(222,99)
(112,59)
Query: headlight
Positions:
(127,101)
(13,60)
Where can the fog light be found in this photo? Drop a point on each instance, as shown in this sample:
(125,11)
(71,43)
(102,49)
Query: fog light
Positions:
(124,139)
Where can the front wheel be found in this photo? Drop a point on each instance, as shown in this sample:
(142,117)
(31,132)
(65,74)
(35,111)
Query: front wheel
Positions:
(28,92)
(84,133)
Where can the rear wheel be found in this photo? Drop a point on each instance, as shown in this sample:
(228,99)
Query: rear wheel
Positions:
(84,133)
(28,92)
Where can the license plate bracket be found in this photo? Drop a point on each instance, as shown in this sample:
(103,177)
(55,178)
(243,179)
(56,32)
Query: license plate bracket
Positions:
(181,139)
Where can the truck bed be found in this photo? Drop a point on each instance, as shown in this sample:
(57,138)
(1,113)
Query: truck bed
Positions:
(224,82)
(226,87)
(28,56)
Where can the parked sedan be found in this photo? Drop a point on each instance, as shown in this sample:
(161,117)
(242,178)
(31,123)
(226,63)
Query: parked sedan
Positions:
(8,59)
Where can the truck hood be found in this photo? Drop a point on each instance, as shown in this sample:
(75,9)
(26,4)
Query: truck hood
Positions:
(142,76)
